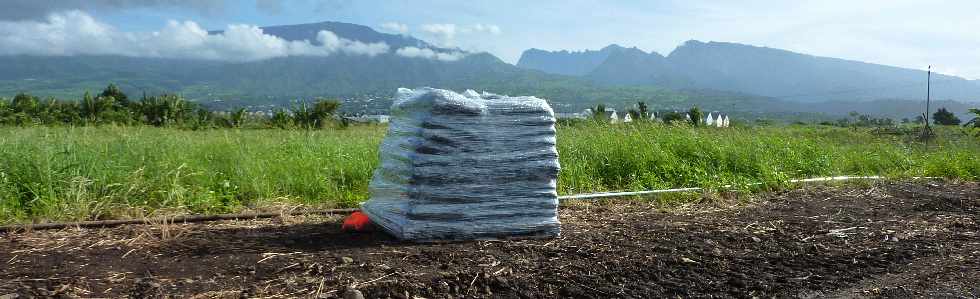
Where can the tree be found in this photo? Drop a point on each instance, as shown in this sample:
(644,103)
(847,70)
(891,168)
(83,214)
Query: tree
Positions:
(599,113)
(24,103)
(672,116)
(696,116)
(634,114)
(644,113)
(119,99)
(945,118)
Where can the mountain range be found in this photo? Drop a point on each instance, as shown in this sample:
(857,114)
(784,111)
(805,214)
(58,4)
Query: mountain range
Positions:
(749,69)
(716,76)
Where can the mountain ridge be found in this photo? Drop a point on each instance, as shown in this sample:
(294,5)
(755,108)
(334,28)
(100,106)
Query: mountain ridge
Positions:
(769,72)
(569,63)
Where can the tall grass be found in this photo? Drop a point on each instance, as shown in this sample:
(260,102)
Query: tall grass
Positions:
(86,173)
(644,156)
(112,172)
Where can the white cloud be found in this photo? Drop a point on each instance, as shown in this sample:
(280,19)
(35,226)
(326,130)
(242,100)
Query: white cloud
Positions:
(492,29)
(333,43)
(395,27)
(77,33)
(413,52)
(446,34)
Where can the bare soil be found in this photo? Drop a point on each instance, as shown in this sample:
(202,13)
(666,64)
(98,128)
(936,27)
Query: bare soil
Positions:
(890,240)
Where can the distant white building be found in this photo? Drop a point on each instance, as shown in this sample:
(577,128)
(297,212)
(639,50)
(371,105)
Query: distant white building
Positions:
(725,121)
(627,118)
(710,120)
(589,113)
(381,119)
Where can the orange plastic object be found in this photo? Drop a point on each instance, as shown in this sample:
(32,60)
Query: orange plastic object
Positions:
(357,222)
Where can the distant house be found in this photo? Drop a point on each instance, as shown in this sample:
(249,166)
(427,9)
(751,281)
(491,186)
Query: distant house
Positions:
(717,119)
(627,118)
(610,114)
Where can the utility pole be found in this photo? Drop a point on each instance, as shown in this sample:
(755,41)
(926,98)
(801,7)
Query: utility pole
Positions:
(927,131)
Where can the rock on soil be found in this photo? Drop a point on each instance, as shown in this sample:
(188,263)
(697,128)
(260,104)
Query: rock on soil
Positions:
(891,240)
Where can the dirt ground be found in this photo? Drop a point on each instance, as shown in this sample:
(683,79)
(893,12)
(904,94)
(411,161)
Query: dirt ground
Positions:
(907,239)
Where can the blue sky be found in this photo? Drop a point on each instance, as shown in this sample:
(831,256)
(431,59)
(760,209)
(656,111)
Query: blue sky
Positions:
(899,32)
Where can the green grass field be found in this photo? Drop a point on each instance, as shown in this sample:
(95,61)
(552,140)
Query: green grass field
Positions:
(86,173)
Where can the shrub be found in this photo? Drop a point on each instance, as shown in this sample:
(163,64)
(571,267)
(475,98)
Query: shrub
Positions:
(945,118)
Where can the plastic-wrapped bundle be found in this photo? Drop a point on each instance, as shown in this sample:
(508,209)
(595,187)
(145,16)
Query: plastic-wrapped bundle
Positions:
(468,166)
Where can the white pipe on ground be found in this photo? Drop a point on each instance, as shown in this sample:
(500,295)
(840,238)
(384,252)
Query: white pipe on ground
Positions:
(693,189)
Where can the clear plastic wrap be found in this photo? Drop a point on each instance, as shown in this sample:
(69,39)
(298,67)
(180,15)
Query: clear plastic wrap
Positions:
(466,166)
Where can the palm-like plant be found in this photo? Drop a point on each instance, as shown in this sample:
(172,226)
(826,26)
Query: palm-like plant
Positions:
(317,116)
(4,107)
(599,113)
(165,109)
(975,122)
(644,112)
(238,117)
(280,119)
(93,108)
(697,117)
